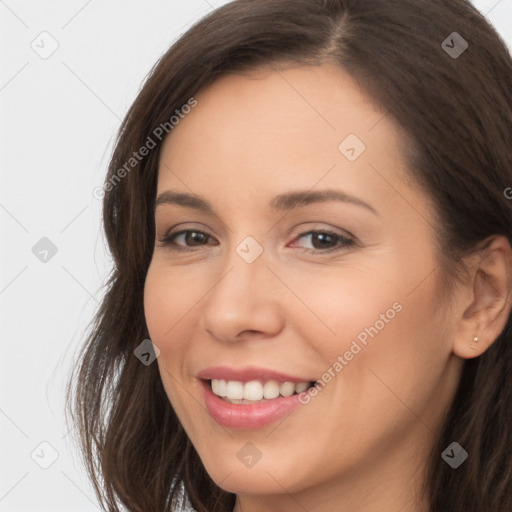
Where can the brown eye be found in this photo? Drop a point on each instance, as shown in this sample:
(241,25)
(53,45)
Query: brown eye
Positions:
(189,237)
(326,241)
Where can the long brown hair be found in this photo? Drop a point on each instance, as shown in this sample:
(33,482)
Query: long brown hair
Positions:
(456,111)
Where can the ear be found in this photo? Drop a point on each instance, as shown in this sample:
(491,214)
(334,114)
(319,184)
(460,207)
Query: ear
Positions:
(486,299)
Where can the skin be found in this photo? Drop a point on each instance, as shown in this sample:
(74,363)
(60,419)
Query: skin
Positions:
(361,444)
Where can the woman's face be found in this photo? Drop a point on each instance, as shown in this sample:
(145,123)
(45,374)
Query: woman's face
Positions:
(343,288)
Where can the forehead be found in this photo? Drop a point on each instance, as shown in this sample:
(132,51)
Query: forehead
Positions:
(294,104)
(278,126)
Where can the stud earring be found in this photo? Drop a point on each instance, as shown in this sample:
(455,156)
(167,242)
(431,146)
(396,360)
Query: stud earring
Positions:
(475,339)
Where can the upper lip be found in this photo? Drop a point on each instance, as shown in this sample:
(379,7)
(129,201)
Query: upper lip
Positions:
(247,374)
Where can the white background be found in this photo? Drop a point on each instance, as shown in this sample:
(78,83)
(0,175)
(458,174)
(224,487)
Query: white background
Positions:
(58,117)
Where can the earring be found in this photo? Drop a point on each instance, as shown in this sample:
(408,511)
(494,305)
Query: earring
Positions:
(475,340)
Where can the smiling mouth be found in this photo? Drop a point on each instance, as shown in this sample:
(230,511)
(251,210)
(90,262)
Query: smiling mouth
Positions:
(255,391)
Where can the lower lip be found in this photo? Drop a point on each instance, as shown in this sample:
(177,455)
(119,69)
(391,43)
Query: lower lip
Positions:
(248,416)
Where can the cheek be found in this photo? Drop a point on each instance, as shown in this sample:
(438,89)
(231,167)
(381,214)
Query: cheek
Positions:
(172,299)
(169,298)
(162,310)
(332,308)
(165,307)
(384,338)
(401,371)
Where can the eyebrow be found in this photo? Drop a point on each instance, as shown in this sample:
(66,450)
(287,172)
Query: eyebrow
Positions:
(282,202)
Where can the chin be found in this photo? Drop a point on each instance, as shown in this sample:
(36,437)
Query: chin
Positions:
(255,480)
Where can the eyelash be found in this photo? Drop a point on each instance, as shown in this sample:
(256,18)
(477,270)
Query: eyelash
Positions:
(346,241)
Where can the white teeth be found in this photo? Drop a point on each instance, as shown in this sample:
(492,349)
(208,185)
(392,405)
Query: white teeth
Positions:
(234,390)
(287,388)
(255,390)
(271,389)
(221,388)
(301,386)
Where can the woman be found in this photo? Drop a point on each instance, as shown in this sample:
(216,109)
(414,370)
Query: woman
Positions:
(308,216)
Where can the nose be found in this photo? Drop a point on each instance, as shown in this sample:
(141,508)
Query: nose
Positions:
(244,301)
